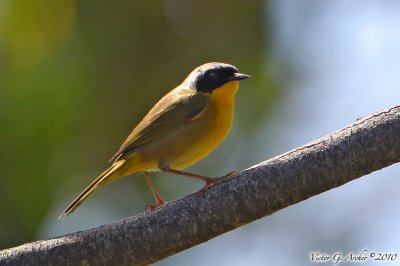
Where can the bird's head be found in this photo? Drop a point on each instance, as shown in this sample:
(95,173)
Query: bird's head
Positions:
(210,76)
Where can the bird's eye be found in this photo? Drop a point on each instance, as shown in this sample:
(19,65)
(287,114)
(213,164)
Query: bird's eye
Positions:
(212,75)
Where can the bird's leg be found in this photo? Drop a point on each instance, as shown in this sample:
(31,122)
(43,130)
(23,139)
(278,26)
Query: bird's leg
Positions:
(209,181)
(159,199)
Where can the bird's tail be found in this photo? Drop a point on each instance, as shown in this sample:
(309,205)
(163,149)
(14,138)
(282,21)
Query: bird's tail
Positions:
(105,178)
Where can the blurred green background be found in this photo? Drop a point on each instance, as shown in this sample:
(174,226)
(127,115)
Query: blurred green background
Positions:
(77,76)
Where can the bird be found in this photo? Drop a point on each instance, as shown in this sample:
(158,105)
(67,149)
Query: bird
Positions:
(182,128)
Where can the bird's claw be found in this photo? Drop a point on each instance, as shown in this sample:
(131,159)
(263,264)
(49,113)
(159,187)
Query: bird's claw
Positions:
(151,207)
(213,181)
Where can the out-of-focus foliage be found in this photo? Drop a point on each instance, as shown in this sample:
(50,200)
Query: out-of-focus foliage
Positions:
(75,77)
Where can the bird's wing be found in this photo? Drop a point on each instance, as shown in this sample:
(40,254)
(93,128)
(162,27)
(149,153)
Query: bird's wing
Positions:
(173,111)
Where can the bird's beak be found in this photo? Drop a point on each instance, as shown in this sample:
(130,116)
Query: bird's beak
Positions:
(239,76)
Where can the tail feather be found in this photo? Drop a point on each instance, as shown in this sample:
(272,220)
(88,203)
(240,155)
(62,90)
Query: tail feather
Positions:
(102,179)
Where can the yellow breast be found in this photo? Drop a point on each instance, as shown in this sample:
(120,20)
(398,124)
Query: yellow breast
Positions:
(211,128)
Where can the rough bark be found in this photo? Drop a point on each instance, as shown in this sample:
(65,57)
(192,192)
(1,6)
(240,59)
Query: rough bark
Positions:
(366,146)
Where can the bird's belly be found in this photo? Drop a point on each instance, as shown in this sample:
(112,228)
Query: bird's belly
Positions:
(200,141)
(200,145)
(195,139)
(189,144)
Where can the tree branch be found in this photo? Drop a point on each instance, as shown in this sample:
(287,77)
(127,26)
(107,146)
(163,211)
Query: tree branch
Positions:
(368,145)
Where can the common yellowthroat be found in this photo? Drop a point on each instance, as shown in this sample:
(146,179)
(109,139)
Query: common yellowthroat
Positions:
(181,129)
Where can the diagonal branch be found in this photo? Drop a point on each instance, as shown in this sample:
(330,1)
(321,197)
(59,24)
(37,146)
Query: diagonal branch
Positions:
(368,145)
